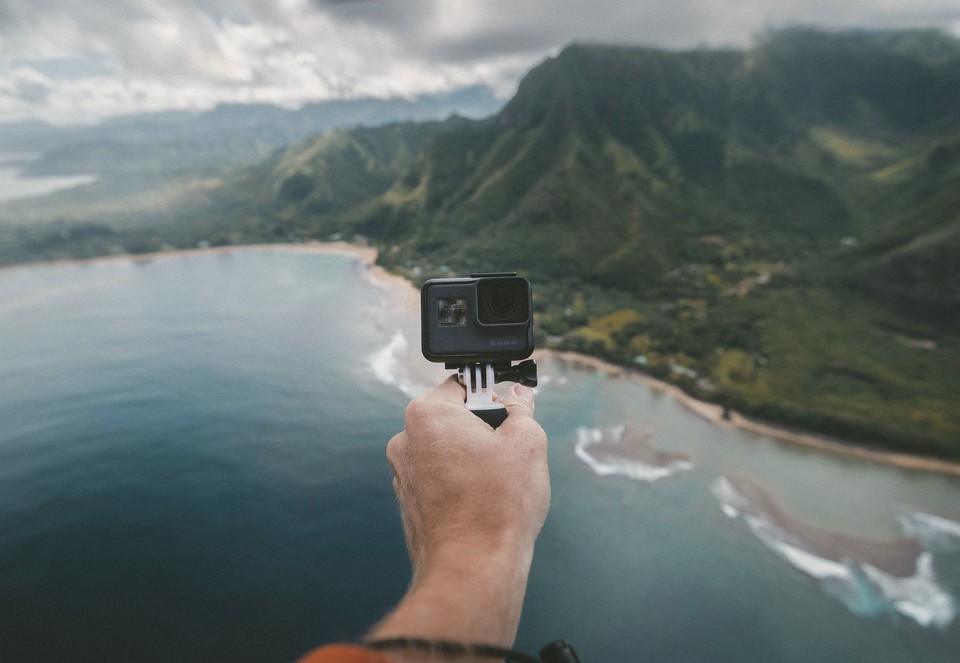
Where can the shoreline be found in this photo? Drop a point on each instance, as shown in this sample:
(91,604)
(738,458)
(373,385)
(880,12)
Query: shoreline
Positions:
(709,411)
(714,414)
(366,253)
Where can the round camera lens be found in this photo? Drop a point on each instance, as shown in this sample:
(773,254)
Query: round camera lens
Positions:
(502,303)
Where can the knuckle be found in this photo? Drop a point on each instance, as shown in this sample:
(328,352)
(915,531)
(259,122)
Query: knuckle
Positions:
(529,429)
(422,417)
(394,448)
(416,412)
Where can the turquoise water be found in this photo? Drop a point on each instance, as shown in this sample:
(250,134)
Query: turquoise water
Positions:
(192,469)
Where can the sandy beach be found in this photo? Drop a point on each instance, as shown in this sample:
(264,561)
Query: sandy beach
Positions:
(714,413)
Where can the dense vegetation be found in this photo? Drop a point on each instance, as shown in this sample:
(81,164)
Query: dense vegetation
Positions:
(776,229)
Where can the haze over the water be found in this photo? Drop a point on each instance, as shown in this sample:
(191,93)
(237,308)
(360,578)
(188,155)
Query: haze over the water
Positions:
(68,62)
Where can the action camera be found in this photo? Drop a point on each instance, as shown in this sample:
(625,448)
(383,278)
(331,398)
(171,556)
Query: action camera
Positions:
(480,326)
(484,318)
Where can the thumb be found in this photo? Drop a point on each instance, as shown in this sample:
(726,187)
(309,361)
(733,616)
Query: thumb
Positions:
(519,399)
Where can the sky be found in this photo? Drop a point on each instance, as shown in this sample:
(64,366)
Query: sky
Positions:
(70,62)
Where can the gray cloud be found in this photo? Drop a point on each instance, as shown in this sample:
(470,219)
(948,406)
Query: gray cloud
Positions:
(33,91)
(66,61)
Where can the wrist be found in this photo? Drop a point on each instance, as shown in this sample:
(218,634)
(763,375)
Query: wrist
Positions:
(472,549)
(464,593)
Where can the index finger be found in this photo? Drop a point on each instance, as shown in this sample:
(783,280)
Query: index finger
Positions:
(450,390)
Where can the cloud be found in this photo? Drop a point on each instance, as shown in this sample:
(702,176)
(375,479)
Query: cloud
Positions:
(65,61)
(31,86)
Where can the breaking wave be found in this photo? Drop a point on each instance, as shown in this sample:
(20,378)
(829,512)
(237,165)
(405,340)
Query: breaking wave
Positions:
(387,365)
(864,588)
(934,532)
(607,452)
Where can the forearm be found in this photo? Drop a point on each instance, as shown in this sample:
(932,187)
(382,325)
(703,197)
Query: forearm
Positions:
(464,595)
(473,500)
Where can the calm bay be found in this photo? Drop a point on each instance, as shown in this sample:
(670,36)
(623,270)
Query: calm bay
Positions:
(192,469)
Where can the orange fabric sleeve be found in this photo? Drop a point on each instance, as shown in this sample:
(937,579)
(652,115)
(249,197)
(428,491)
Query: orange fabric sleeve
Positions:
(343,654)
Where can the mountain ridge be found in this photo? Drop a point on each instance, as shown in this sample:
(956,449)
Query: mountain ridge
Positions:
(657,180)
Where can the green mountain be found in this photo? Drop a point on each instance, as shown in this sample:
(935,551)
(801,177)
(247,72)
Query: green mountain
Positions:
(776,229)
(313,188)
(622,165)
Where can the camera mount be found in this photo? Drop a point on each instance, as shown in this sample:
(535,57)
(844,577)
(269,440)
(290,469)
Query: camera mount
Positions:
(478,379)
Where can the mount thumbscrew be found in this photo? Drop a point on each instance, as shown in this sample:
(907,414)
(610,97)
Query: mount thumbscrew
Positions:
(524,373)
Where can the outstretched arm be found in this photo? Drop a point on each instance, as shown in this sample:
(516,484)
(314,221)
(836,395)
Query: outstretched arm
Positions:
(473,500)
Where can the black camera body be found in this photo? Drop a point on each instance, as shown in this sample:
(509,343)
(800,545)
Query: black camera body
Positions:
(483,318)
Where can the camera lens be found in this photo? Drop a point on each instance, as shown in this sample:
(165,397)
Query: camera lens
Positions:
(502,303)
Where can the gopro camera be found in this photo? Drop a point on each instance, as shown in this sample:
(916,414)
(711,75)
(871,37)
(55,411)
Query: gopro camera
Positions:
(480,325)
(484,318)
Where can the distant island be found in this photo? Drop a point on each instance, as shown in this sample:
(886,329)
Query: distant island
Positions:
(774,230)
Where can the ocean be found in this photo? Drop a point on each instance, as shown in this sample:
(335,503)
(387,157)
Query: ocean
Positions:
(192,469)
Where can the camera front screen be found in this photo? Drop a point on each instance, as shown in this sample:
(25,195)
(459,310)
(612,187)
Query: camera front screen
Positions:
(452,311)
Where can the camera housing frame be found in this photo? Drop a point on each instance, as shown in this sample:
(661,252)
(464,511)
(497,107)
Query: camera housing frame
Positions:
(486,318)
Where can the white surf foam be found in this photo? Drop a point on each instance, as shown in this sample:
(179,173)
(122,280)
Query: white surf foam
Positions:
(864,589)
(918,597)
(731,502)
(789,548)
(934,532)
(606,464)
(387,365)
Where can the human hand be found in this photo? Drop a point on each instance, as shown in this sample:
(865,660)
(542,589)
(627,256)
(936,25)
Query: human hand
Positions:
(473,500)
